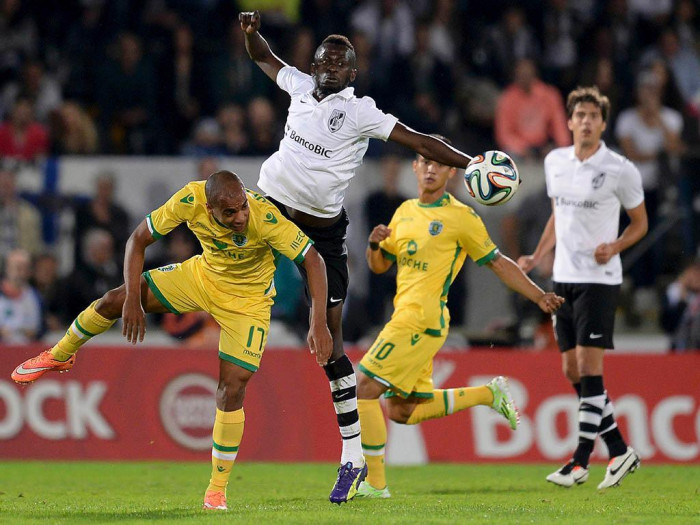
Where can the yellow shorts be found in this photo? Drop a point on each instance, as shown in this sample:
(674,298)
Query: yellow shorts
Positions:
(401,358)
(244,321)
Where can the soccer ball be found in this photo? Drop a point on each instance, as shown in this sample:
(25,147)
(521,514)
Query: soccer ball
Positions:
(492,178)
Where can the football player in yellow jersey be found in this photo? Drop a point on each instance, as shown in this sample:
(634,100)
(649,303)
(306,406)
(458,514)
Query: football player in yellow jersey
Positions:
(241,233)
(428,238)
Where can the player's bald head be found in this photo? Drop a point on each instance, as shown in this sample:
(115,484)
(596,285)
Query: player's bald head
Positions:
(223,185)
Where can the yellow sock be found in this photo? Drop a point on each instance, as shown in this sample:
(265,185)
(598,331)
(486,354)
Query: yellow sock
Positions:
(446,402)
(87,325)
(373,431)
(228,432)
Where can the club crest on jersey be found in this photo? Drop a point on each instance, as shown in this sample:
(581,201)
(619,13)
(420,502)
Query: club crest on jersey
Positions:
(336,120)
(598,181)
(435,228)
(412,247)
(239,239)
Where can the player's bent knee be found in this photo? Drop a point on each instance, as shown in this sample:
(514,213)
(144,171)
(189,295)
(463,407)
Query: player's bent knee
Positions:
(400,413)
(230,396)
(111,304)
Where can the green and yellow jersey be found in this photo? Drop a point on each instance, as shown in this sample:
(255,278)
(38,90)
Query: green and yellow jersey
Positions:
(241,264)
(429,243)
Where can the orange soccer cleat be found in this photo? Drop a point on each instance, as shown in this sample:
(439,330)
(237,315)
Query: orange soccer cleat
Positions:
(32,369)
(214,500)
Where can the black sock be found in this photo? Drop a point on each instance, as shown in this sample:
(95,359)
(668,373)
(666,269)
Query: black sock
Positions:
(590,415)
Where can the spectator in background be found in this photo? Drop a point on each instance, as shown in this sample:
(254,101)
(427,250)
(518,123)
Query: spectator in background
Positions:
(379,208)
(264,138)
(18,38)
(670,95)
(560,30)
(181,86)
(303,49)
(232,120)
(46,283)
(102,211)
(20,221)
(41,89)
(506,43)
(530,116)
(649,134)
(681,309)
(96,274)
(683,63)
(21,137)
(20,310)
(126,94)
(326,17)
(206,140)
(74,132)
(686,24)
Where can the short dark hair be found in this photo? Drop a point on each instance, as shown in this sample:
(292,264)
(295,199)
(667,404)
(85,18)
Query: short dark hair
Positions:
(339,40)
(588,94)
(219,183)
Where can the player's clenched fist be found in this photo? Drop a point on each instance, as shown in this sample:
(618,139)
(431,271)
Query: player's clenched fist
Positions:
(379,233)
(250,21)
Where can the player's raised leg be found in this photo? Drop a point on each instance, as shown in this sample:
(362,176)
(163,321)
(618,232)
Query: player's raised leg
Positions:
(228,430)
(95,319)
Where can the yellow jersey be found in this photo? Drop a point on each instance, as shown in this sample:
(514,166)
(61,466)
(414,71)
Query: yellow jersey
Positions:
(234,263)
(429,243)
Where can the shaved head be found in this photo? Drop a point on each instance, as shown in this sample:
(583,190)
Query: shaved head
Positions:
(222,185)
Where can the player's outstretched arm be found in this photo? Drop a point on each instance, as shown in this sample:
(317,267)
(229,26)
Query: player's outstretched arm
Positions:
(319,338)
(375,258)
(132,313)
(514,278)
(547,241)
(257,47)
(429,147)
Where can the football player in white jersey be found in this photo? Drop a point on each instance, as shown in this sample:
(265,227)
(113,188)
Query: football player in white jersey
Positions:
(325,138)
(588,184)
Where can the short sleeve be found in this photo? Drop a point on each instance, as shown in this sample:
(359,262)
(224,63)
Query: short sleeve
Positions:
(476,240)
(373,122)
(283,235)
(548,164)
(294,81)
(178,209)
(629,186)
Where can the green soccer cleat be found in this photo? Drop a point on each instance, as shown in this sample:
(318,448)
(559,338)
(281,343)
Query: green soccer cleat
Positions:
(366,490)
(502,400)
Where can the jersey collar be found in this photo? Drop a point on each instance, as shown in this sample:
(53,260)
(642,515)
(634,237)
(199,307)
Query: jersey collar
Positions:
(593,159)
(345,94)
(442,201)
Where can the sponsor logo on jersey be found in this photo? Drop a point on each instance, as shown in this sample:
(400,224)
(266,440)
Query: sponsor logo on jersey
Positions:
(189,199)
(586,204)
(168,268)
(239,239)
(270,218)
(412,247)
(435,228)
(598,181)
(336,120)
(313,148)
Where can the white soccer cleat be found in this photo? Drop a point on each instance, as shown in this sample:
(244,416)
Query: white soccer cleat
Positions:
(619,467)
(503,400)
(569,475)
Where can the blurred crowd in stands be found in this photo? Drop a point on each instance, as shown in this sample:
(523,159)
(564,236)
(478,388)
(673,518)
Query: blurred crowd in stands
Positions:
(172,77)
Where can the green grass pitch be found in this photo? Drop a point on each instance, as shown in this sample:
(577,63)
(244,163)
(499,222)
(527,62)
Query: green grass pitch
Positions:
(261,493)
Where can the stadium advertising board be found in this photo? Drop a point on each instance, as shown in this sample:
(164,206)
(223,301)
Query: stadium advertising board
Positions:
(157,403)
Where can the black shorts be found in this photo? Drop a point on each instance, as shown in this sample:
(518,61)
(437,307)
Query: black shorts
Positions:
(587,318)
(330,243)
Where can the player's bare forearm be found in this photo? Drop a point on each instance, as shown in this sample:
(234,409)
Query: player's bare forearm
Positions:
(319,339)
(514,278)
(134,257)
(636,229)
(545,245)
(257,47)
(429,147)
